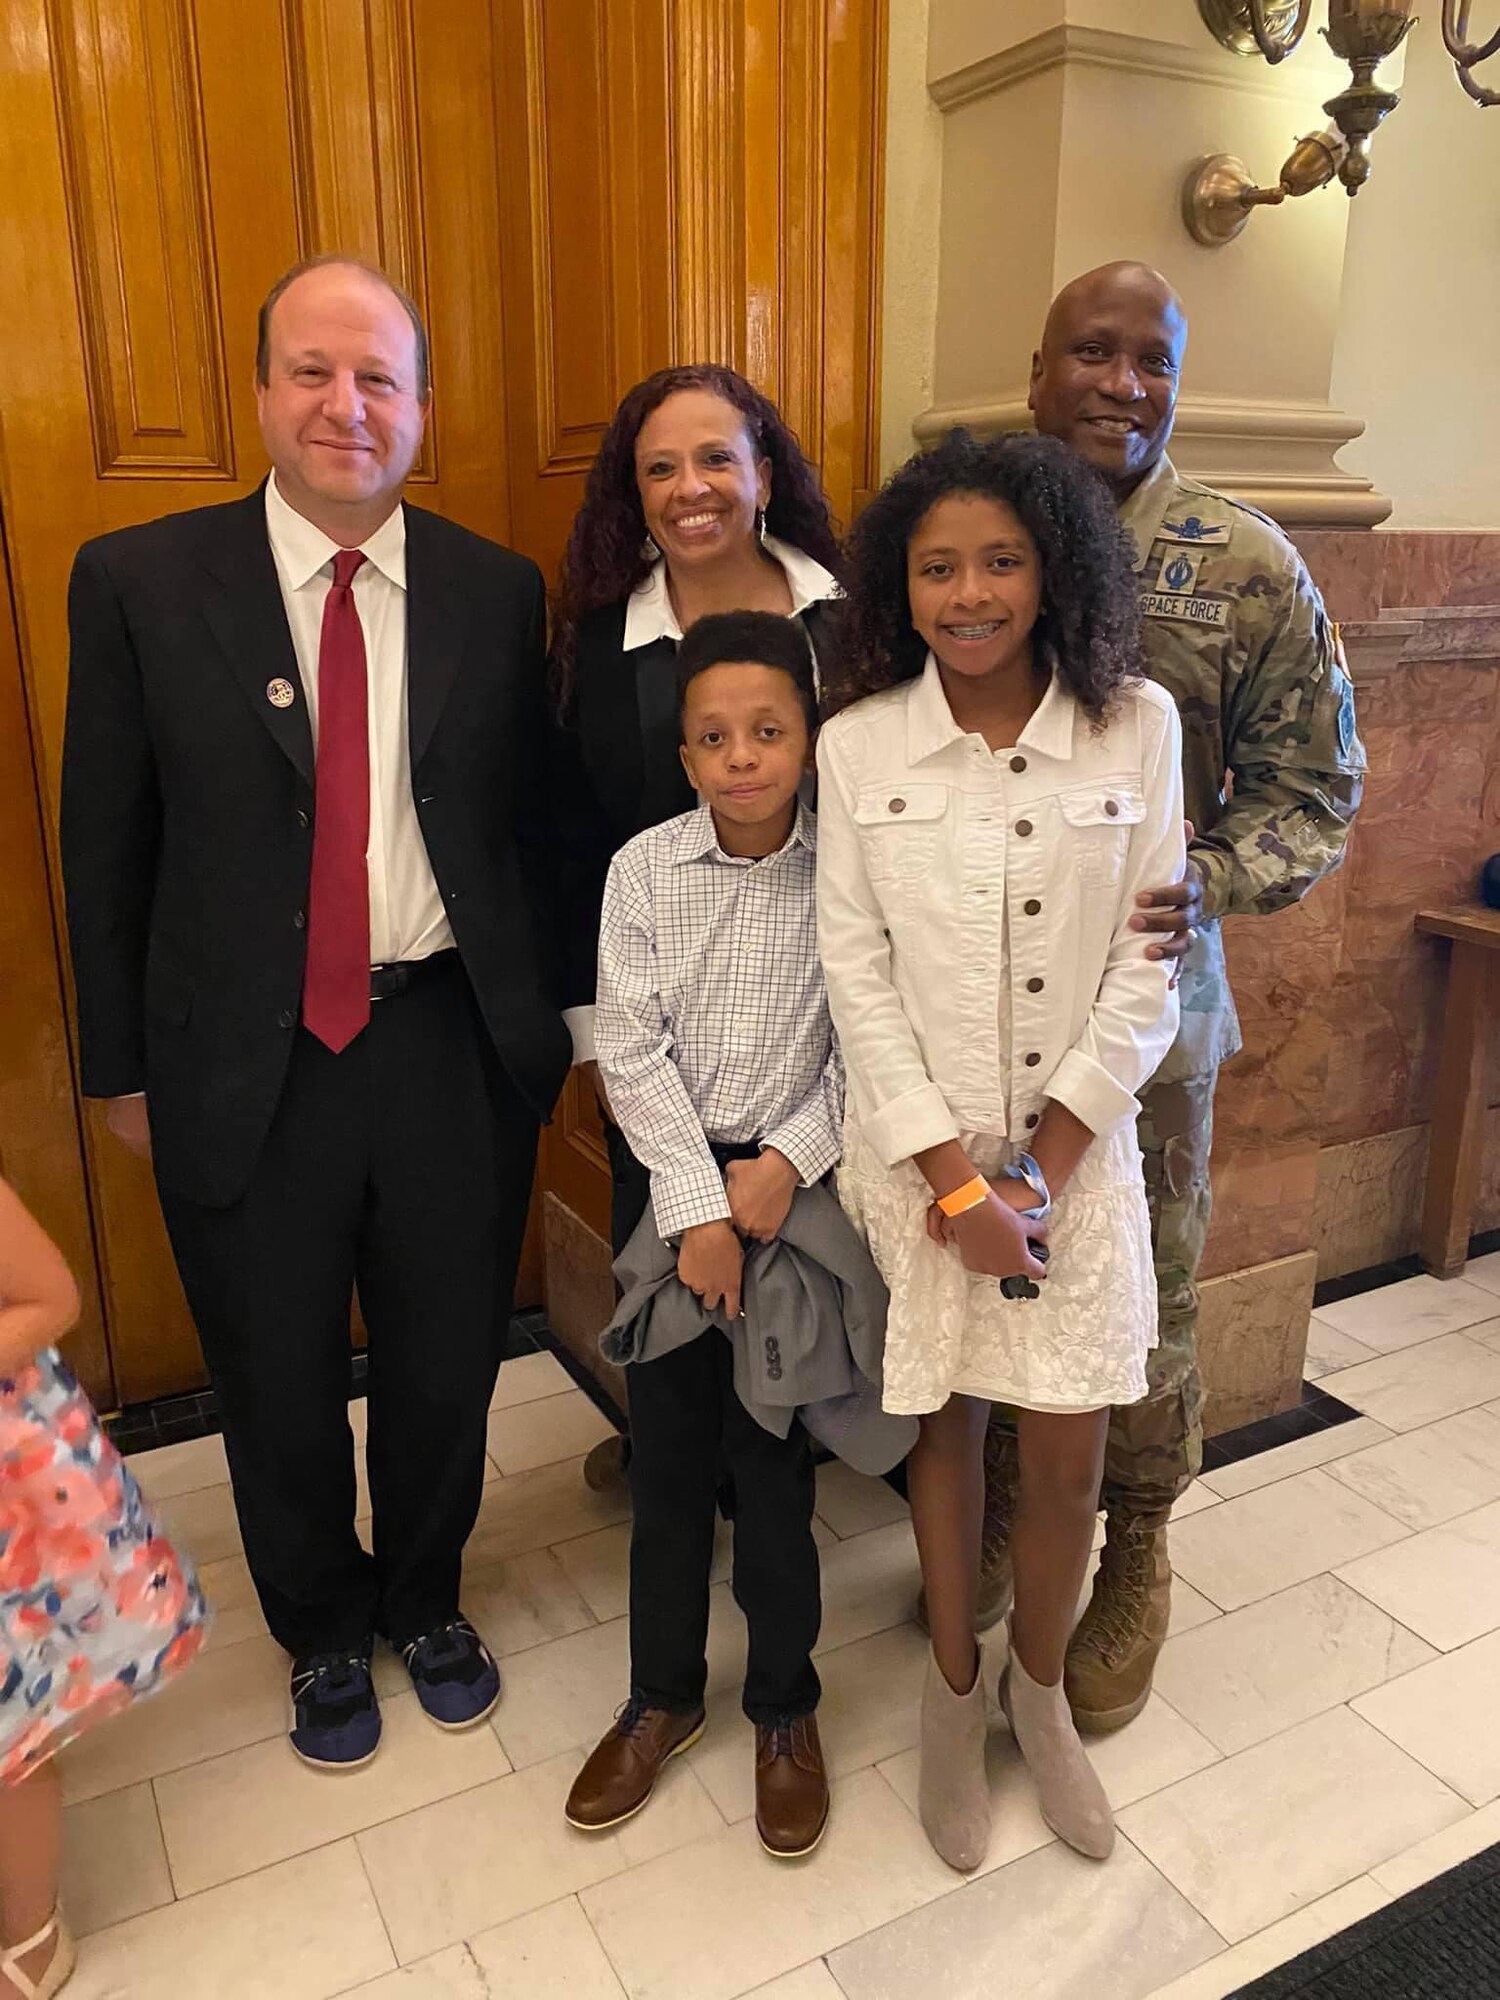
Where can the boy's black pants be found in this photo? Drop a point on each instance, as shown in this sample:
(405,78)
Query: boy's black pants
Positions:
(688,1428)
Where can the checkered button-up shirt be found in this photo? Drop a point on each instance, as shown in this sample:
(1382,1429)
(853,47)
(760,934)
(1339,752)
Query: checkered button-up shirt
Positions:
(712,1022)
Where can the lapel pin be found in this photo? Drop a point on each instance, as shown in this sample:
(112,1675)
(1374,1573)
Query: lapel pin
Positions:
(280,694)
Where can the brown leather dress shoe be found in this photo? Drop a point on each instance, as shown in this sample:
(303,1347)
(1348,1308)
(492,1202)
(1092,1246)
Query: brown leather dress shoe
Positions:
(791,1786)
(621,1774)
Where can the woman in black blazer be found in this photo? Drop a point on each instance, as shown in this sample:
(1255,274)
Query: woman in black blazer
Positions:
(699,501)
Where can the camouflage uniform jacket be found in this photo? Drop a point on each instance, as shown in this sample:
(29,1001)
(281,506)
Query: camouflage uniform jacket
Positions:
(1273,767)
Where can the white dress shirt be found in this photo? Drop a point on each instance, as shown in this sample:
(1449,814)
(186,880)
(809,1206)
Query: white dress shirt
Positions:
(974,907)
(407,919)
(712,1018)
(649,616)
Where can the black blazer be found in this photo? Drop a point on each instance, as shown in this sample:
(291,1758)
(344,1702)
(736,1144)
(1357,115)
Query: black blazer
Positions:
(187,807)
(622,717)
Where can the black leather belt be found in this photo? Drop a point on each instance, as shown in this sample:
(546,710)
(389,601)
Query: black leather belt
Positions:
(386,981)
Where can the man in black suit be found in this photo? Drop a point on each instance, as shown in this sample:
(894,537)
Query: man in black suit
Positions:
(306,840)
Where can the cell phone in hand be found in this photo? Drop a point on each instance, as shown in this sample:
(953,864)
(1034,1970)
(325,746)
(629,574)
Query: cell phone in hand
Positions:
(1020,1286)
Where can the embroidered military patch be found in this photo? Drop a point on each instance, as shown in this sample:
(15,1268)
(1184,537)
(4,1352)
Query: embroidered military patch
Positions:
(1179,571)
(1187,610)
(1192,528)
(1348,737)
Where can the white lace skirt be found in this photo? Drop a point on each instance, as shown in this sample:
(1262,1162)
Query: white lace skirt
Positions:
(1081,1346)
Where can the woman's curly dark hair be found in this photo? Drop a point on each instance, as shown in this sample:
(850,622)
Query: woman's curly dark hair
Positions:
(1089,626)
(604,559)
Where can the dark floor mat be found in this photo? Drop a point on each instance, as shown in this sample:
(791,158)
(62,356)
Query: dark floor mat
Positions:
(1442,1942)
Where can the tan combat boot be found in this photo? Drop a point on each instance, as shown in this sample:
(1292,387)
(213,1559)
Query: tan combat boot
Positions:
(1112,1654)
(996,1583)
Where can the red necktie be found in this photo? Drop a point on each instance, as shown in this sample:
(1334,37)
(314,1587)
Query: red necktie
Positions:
(336,987)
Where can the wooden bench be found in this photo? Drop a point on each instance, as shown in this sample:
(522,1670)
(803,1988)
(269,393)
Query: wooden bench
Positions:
(1471,1020)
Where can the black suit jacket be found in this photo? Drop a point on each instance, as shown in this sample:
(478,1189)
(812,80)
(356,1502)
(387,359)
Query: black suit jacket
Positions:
(624,771)
(187,818)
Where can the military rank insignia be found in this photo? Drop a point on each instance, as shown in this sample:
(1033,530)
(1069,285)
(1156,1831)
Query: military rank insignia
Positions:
(1199,532)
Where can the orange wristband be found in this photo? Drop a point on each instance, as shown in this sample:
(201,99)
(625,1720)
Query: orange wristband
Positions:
(962,1199)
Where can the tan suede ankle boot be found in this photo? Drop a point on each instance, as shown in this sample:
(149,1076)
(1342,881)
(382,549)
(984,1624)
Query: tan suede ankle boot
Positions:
(1069,1793)
(953,1792)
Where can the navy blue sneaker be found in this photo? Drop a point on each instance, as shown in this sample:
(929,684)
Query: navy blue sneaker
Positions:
(337,1721)
(454,1674)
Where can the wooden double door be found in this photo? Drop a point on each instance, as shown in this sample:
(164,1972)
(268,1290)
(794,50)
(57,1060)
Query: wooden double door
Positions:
(575,191)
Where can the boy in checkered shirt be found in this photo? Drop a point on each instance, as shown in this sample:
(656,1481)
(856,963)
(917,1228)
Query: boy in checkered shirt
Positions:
(717,1053)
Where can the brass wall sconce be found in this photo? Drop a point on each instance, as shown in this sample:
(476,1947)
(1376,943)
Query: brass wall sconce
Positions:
(1467,55)
(1220,194)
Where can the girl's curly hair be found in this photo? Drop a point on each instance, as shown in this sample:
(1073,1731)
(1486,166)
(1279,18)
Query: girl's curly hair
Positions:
(604,559)
(1089,625)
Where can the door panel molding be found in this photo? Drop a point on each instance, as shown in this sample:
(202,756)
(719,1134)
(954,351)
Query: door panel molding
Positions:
(706,57)
(136,183)
(356,151)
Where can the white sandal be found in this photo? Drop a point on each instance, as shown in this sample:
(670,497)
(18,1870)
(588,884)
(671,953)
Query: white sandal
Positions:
(59,1968)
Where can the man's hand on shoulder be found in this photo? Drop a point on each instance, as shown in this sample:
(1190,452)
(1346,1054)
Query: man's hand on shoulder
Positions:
(129,1120)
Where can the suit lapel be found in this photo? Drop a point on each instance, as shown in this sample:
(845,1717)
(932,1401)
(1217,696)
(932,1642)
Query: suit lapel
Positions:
(608,716)
(818,622)
(245,613)
(665,790)
(437,621)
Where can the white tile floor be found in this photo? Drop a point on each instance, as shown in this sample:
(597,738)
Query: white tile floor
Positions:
(1321,1739)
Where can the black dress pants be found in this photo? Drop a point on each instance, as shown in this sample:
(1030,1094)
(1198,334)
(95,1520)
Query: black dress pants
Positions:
(689,1433)
(402,1166)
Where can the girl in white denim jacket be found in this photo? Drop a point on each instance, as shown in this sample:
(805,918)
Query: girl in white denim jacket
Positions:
(996,788)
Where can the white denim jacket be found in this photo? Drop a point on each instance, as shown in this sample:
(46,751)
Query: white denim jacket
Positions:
(945,868)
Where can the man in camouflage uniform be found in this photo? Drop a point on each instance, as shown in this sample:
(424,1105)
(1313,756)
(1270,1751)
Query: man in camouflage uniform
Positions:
(1235,629)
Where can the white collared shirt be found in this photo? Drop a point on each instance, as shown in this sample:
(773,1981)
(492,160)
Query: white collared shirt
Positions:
(712,1018)
(648,609)
(973,911)
(407,919)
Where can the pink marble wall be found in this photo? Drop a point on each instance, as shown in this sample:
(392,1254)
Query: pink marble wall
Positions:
(1340,999)
(1362,575)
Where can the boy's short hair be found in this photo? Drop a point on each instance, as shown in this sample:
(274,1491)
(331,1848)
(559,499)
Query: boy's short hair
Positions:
(758,637)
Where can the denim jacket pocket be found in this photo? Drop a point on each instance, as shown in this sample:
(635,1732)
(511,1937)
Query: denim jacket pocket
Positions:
(1099,817)
(900,826)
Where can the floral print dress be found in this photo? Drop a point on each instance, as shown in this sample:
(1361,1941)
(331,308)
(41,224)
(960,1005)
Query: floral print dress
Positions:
(96,1608)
